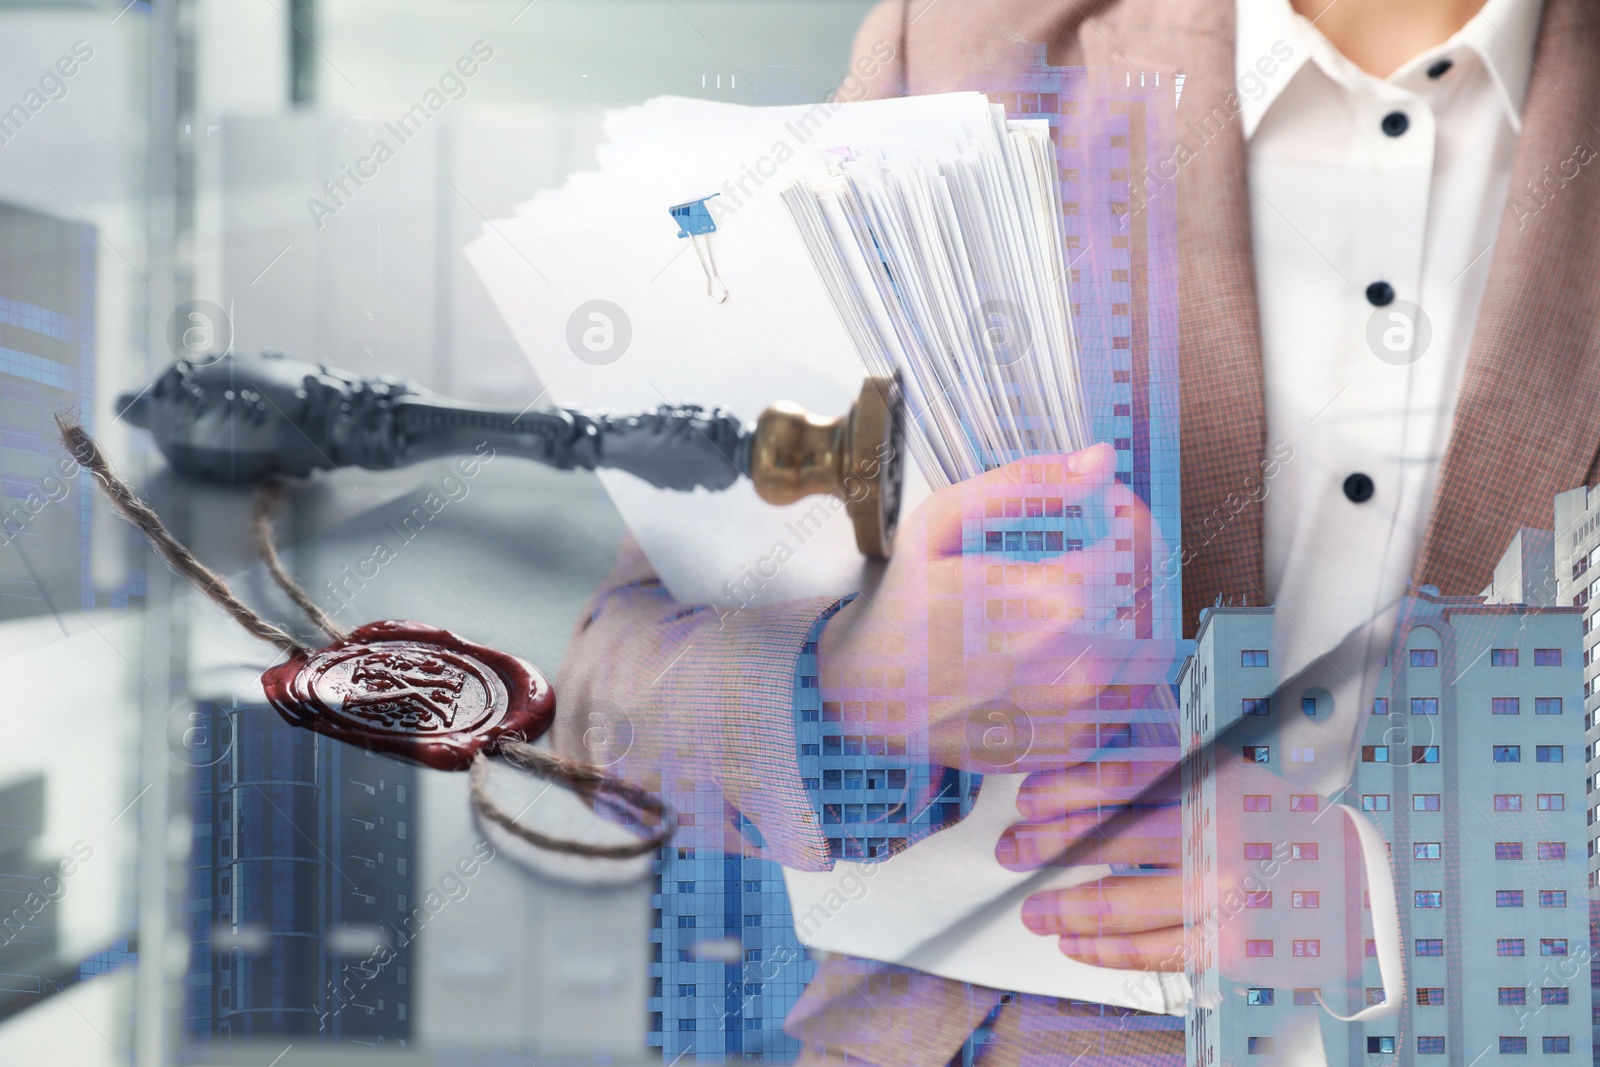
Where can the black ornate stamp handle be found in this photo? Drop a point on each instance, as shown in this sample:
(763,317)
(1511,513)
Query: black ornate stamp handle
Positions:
(240,418)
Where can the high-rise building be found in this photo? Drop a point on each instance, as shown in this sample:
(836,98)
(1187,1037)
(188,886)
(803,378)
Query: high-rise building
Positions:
(1574,563)
(301,894)
(1469,766)
(726,966)
(854,760)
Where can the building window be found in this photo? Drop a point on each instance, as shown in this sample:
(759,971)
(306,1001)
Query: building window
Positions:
(686,922)
(1557,1045)
(1547,705)
(1552,850)
(1253,657)
(1424,657)
(1308,707)
(1375,802)
(1508,946)
(1424,705)
(1513,1046)
(1257,850)
(1303,850)
(1374,753)
(1376,995)
(1424,801)
(1513,995)
(1430,946)
(685,1025)
(1547,657)
(1428,898)
(1307,997)
(1552,898)
(1552,802)
(1256,706)
(1257,802)
(1508,850)
(1303,802)
(1261,1046)
(1258,753)
(1306,947)
(1380,706)
(1425,850)
(1430,1046)
(1371,949)
(688,990)
(1430,996)
(1259,997)
(1505,706)
(1424,753)
(1508,898)
(1550,753)
(1508,802)
(1552,946)
(1254,949)
(1553,994)
(1305,898)
(1258,899)
(1502,657)
(1381,1046)
(1508,753)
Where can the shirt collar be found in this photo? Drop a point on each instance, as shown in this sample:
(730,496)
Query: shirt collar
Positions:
(1273,44)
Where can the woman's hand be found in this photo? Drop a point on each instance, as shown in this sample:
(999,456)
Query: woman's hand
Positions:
(959,641)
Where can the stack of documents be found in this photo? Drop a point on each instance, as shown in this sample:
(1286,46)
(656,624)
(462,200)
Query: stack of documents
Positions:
(736,256)
(947,265)
(919,235)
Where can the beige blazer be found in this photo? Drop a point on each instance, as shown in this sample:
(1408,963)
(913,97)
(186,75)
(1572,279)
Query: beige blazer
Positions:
(1527,427)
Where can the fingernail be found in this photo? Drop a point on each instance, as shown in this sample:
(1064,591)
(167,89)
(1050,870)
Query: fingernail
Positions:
(1089,459)
(1074,947)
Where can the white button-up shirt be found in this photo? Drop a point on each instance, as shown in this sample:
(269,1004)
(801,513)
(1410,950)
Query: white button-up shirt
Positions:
(1356,180)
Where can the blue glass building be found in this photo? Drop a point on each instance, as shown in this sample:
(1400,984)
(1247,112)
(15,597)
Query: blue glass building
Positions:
(726,966)
(301,884)
(47,365)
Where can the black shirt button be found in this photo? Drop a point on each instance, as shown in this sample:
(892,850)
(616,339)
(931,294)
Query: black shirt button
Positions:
(1380,294)
(1440,68)
(1395,123)
(1358,488)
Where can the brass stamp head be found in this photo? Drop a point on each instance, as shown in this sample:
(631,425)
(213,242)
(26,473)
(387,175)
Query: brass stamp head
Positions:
(856,458)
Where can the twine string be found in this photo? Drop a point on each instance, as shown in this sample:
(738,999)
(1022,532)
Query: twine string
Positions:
(179,558)
(586,780)
(267,498)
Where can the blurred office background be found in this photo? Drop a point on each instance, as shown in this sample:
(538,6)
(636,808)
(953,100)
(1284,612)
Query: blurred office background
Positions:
(161,161)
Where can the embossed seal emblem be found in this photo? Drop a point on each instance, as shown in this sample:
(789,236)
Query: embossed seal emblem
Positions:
(413,691)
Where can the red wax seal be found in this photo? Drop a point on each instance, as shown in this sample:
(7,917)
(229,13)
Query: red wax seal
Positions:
(414,691)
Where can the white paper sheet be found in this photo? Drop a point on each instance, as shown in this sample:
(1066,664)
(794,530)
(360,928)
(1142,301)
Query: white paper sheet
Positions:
(935,909)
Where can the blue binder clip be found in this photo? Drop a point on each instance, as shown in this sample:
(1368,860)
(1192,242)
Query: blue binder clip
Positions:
(696,223)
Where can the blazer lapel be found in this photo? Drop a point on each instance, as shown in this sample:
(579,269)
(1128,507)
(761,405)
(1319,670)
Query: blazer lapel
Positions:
(1528,418)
